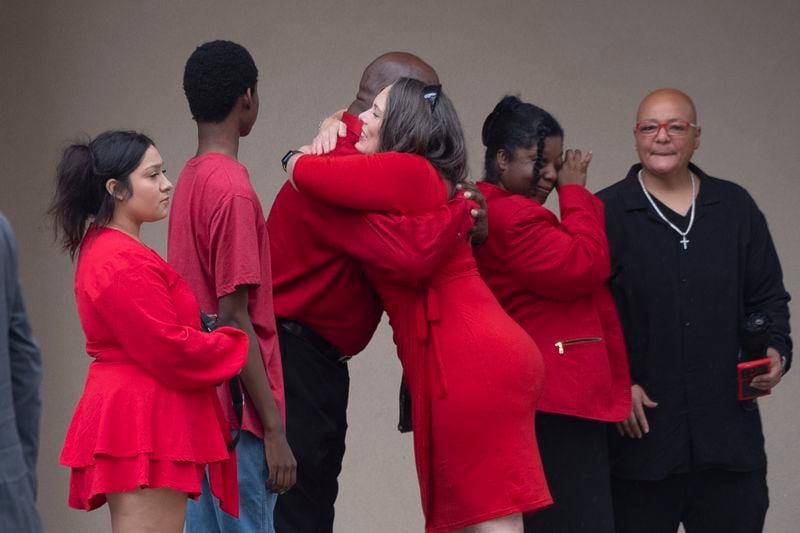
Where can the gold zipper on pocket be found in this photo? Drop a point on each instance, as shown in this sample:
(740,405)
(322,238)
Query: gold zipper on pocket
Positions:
(583,340)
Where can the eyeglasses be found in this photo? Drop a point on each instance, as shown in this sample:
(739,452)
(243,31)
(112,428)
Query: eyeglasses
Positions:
(676,128)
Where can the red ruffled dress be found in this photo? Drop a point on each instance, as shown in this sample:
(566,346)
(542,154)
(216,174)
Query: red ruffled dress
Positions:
(149,415)
(473,373)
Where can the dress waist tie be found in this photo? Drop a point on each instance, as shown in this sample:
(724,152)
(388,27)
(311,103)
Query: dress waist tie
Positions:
(428,332)
(429,369)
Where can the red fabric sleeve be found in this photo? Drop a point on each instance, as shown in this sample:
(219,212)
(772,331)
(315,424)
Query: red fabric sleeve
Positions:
(139,310)
(560,261)
(347,145)
(403,248)
(389,181)
(233,246)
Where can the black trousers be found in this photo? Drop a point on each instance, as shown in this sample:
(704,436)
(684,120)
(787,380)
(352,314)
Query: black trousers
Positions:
(709,501)
(575,459)
(316,388)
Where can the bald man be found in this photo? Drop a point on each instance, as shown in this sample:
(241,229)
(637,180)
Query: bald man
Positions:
(691,257)
(327,311)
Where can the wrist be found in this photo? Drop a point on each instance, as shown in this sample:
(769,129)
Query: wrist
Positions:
(272,431)
(288,156)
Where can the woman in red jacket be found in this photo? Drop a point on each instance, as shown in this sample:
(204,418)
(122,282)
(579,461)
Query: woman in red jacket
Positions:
(550,275)
(149,420)
(473,373)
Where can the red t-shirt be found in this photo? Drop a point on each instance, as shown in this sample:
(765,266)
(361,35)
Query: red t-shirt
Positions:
(217,242)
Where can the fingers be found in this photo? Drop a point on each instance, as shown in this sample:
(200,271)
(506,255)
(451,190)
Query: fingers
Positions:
(574,157)
(472,192)
(316,145)
(636,425)
(281,464)
(325,142)
(630,427)
(768,380)
(773,377)
(587,160)
(646,401)
(326,139)
(640,426)
(284,478)
(330,138)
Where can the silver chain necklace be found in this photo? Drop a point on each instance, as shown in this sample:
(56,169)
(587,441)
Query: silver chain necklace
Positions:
(684,241)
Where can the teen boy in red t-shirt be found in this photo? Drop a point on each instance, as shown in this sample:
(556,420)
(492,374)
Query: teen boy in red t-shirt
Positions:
(218,242)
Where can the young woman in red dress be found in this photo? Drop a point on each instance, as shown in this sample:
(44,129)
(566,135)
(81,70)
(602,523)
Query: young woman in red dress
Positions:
(149,421)
(550,276)
(473,373)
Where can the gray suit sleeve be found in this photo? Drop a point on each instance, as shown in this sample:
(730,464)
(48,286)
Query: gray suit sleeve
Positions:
(25,360)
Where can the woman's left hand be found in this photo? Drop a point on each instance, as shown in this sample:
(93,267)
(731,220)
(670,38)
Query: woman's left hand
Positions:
(330,130)
(773,377)
(574,168)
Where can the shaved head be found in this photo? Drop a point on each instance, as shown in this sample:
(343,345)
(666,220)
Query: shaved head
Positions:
(384,71)
(663,155)
(674,96)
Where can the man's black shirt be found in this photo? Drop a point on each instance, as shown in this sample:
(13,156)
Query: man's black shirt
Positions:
(681,311)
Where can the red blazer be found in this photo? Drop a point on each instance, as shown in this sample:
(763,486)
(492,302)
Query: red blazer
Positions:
(550,276)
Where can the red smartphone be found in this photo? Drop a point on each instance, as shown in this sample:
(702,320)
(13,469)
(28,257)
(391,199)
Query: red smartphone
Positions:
(745,374)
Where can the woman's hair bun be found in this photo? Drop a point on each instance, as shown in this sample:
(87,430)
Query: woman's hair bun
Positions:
(508,104)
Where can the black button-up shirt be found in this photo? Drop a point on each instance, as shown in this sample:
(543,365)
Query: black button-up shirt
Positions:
(681,312)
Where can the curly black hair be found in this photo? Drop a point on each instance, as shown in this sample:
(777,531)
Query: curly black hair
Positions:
(216,75)
(516,124)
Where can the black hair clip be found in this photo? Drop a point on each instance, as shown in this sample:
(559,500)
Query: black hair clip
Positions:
(431,94)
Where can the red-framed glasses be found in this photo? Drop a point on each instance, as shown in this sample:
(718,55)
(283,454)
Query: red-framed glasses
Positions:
(677,128)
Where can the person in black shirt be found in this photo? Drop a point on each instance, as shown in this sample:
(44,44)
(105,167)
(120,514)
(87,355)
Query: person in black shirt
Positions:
(691,257)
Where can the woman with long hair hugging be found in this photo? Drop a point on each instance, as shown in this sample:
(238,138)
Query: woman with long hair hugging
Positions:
(473,373)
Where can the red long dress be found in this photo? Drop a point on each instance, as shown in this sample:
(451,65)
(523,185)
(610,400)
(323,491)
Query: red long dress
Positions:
(473,373)
(149,415)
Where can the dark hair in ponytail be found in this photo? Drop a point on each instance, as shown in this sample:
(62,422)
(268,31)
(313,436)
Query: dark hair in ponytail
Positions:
(515,124)
(81,177)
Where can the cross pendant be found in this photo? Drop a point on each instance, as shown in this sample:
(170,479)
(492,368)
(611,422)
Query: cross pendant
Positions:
(684,242)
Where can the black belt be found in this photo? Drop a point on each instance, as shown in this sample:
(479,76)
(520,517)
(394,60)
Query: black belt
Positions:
(307,334)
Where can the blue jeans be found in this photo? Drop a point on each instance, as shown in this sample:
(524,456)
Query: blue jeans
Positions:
(256,503)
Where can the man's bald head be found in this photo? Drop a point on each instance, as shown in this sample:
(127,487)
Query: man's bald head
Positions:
(666,155)
(673,96)
(387,69)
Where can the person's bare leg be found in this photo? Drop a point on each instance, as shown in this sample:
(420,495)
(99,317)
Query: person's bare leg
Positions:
(505,524)
(147,511)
